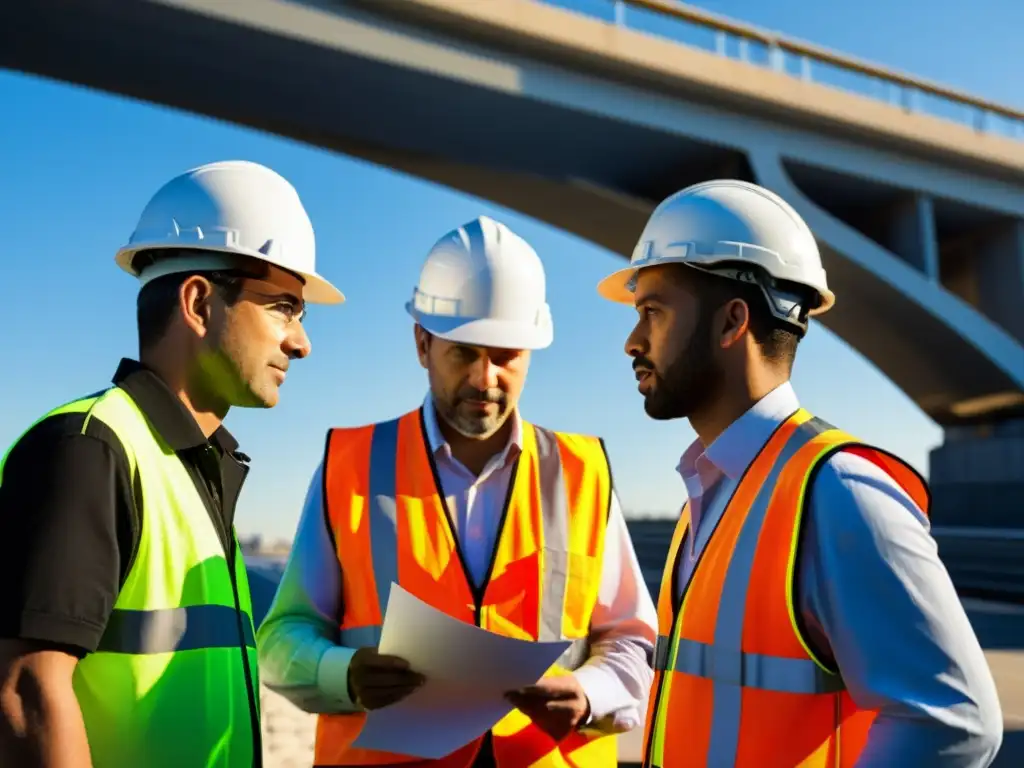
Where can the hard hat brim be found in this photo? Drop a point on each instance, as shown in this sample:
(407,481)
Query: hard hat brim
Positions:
(484,332)
(615,287)
(316,289)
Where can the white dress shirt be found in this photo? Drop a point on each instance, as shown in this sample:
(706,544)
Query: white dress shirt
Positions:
(874,596)
(298,651)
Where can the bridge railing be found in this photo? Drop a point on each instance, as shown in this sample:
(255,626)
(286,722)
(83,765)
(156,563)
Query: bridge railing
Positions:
(726,37)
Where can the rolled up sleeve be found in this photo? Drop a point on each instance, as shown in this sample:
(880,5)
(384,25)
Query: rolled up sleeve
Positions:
(617,676)
(297,641)
(876,598)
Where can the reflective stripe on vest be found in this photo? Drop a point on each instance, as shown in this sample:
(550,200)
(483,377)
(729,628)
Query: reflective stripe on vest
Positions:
(168,684)
(391,525)
(731,658)
(384,537)
(749,670)
(174,629)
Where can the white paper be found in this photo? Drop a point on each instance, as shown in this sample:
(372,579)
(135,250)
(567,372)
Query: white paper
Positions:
(467,671)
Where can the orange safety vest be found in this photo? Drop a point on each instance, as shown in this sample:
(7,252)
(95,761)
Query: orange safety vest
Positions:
(390,524)
(736,682)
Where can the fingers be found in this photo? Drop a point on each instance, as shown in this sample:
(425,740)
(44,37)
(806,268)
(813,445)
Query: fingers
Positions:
(518,700)
(371,677)
(383,662)
(532,708)
(382,681)
(555,723)
(561,707)
(544,693)
(378,697)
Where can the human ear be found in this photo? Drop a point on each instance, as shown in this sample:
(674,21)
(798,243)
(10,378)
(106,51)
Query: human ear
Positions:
(422,344)
(734,321)
(195,303)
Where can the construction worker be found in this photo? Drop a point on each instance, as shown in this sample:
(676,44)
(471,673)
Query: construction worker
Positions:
(804,616)
(493,520)
(126,626)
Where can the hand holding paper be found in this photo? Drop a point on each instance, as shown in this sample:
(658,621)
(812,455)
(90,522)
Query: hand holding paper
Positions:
(376,680)
(467,672)
(555,704)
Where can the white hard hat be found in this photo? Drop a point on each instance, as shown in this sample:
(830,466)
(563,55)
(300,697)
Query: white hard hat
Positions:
(483,285)
(721,226)
(226,209)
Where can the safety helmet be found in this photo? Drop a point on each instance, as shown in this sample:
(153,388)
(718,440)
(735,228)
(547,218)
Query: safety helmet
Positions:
(223,210)
(738,230)
(483,285)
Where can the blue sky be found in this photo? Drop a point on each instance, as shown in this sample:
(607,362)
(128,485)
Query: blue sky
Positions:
(78,166)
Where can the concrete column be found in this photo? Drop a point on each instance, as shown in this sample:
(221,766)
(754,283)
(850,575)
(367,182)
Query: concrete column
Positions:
(912,235)
(999,270)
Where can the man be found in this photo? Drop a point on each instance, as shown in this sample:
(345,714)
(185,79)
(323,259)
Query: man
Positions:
(487,517)
(126,634)
(804,617)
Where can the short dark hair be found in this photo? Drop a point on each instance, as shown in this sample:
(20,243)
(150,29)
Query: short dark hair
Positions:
(158,299)
(777,339)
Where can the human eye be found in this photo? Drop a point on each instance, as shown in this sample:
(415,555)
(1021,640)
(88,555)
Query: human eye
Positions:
(288,311)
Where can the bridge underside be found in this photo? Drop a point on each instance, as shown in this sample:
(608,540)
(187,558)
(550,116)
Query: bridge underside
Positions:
(591,175)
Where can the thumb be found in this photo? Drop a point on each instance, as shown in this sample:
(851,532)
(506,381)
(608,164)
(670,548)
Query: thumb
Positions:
(560,705)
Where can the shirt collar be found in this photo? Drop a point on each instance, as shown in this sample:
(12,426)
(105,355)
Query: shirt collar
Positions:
(734,450)
(439,446)
(165,411)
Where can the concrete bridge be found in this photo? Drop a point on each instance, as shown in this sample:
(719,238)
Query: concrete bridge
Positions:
(915,192)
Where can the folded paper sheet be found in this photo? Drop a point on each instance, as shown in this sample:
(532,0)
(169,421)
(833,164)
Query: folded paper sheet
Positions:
(467,671)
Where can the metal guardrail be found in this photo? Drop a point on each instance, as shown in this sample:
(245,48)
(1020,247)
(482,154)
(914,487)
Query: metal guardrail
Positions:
(676,21)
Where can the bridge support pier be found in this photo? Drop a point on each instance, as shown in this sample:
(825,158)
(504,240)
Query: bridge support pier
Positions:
(912,234)
(1001,277)
(977,476)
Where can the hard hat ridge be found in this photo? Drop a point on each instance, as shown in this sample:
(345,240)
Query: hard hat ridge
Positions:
(482,284)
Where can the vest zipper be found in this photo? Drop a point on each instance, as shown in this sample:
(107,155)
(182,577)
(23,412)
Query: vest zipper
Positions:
(230,544)
(477,591)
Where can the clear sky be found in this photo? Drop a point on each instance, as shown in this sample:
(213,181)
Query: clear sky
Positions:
(76,168)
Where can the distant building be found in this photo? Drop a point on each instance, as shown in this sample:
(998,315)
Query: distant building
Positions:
(651,538)
(256,544)
(251,544)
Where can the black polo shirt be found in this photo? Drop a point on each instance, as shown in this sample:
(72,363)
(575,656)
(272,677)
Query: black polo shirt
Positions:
(70,512)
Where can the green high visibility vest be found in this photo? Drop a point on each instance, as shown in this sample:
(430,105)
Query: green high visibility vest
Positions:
(174,681)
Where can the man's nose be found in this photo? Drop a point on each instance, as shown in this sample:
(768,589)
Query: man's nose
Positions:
(297,343)
(483,375)
(636,344)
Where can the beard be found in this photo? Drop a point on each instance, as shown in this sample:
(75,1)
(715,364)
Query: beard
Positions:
(686,384)
(473,422)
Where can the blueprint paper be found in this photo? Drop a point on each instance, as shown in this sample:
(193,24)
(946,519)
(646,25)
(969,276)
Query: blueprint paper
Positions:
(467,671)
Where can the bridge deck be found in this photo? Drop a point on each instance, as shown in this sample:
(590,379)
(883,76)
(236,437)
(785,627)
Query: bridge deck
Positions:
(629,54)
